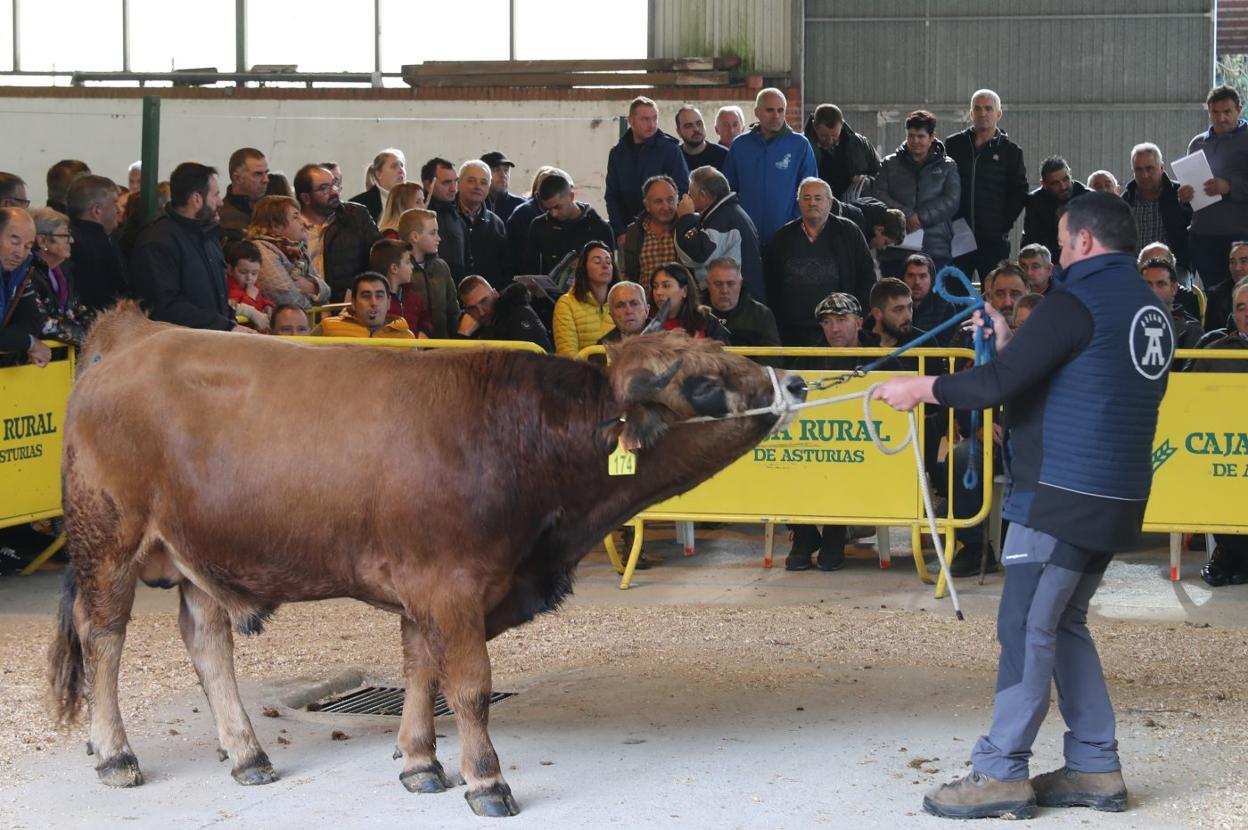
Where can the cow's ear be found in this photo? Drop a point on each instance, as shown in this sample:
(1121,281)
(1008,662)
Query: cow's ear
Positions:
(705,395)
(643,425)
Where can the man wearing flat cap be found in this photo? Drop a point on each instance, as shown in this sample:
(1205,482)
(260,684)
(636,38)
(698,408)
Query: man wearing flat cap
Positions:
(501,200)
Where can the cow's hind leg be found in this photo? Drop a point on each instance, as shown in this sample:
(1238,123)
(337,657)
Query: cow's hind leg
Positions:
(417,746)
(101,612)
(205,627)
(466,664)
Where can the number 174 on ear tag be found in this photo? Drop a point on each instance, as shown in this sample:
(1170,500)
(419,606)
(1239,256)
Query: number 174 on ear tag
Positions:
(621,462)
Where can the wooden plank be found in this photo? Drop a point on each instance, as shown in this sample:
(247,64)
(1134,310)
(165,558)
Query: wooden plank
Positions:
(604,65)
(568,79)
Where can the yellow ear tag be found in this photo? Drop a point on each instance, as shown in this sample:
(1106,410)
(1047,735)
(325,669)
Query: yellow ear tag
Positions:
(622,462)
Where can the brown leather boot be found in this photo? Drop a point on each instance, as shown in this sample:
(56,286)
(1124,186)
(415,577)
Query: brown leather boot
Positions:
(1066,787)
(978,796)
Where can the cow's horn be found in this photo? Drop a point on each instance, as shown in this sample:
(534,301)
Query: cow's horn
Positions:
(646,386)
(660,317)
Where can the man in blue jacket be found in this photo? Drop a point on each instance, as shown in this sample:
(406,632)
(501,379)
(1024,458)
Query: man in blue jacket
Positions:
(766,165)
(1080,474)
(643,151)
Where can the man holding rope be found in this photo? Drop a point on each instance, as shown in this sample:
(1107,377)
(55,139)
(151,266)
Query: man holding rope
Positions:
(1081,383)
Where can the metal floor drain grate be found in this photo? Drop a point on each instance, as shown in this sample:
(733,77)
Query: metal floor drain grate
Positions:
(387,701)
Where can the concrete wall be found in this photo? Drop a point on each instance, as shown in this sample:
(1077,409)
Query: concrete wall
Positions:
(105,132)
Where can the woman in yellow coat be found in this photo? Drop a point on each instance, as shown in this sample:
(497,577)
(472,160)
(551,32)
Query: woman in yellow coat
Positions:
(581,315)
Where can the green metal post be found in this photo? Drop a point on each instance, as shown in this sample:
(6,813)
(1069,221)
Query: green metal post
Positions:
(151,156)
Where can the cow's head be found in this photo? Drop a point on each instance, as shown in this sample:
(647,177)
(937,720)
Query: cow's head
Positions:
(661,379)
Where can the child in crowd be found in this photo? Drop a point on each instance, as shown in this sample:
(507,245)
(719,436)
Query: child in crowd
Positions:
(393,260)
(242,271)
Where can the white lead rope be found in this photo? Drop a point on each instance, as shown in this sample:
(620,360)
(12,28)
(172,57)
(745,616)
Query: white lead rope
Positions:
(779,407)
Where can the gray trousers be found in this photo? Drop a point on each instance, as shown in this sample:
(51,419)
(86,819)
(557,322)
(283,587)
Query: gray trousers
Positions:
(1043,632)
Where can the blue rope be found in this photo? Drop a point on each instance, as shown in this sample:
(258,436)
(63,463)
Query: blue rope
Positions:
(984,349)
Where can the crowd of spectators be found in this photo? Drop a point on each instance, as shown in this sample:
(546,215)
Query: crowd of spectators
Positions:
(768,237)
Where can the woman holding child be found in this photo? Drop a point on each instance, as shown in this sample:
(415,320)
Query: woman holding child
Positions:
(287,275)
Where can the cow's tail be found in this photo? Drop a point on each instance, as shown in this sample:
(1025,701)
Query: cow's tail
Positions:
(66,673)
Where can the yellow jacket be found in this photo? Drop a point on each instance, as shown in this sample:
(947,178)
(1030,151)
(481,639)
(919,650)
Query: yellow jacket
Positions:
(579,324)
(345,325)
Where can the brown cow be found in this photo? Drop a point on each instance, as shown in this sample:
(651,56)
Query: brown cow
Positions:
(457,489)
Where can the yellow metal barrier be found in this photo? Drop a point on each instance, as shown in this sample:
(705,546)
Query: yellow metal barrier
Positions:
(428,343)
(32,417)
(1200,453)
(824,469)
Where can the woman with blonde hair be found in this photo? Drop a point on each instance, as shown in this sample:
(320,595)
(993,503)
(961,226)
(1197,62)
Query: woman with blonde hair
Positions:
(389,168)
(404,196)
(287,275)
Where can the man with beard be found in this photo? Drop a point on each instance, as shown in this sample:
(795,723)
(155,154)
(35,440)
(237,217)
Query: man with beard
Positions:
(812,257)
(930,309)
(1006,284)
(177,267)
(340,234)
(648,241)
(698,151)
(892,309)
(367,316)
(1055,191)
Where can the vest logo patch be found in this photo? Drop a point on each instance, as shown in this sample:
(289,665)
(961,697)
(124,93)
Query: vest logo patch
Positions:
(783,164)
(1152,342)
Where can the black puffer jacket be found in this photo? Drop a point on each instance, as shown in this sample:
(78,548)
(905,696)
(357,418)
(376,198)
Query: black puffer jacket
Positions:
(852,156)
(1175,217)
(994,181)
(345,245)
(178,272)
(515,319)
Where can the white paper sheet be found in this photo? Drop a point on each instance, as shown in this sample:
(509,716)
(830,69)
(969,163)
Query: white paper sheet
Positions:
(963,238)
(1194,170)
(913,241)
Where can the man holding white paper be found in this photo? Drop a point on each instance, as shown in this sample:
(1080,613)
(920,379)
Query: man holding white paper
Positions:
(1218,224)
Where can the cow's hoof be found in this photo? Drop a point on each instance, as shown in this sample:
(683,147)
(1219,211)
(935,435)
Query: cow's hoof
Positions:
(493,802)
(257,771)
(90,749)
(120,771)
(222,755)
(430,779)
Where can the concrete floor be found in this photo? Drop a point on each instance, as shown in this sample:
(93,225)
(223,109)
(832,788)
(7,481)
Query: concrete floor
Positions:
(594,748)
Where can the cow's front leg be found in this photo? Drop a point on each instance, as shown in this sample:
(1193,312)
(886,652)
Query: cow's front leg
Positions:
(417,746)
(466,666)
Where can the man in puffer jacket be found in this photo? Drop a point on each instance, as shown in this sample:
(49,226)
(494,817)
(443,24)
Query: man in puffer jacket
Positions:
(922,182)
(643,151)
(766,165)
(842,154)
